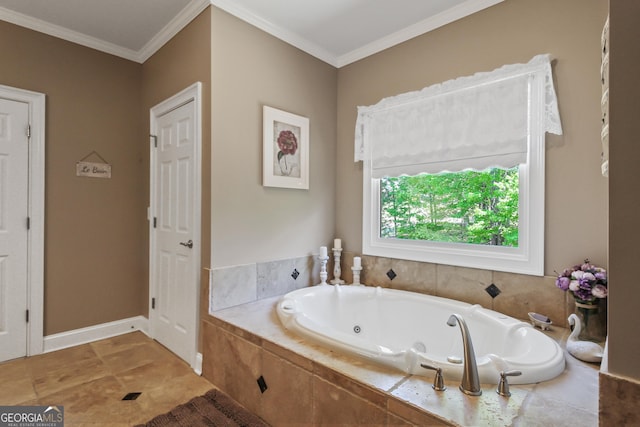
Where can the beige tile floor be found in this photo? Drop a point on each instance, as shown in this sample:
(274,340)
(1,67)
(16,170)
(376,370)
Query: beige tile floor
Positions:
(90,381)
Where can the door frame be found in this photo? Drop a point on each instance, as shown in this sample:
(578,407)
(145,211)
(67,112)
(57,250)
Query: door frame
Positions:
(35,212)
(191,93)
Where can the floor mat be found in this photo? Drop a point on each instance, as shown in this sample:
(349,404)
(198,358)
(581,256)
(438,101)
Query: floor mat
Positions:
(214,408)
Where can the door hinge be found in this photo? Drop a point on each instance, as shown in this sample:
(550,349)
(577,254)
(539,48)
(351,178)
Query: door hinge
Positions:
(155,140)
(153,303)
(27,316)
(28,131)
(155,222)
(28,223)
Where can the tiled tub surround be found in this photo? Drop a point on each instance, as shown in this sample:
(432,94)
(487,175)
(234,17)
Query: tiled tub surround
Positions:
(311,385)
(519,293)
(235,285)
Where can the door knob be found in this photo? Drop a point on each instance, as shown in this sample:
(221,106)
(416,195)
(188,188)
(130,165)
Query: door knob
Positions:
(188,244)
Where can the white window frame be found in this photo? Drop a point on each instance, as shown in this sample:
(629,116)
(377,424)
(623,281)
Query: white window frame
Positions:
(527,258)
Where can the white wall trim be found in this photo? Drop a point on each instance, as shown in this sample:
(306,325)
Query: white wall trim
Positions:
(458,12)
(188,14)
(277,31)
(65,34)
(195,7)
(35,255)
(94,333)
(198,365)
(181,20)
(448,16)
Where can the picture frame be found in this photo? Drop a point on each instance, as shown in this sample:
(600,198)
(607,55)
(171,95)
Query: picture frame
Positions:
(285,159)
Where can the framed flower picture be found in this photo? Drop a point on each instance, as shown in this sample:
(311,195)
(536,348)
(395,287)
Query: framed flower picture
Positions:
(285,160)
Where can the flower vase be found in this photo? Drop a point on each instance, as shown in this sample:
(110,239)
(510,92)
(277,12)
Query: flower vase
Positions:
(593,318)
(285,167)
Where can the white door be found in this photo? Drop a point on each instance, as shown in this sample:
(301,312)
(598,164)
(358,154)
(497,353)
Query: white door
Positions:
(175,225)
(14,186)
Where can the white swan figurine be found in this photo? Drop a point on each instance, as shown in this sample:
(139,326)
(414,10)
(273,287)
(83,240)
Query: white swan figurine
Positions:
(583,350)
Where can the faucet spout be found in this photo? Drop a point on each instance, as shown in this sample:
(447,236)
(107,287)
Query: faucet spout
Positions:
(470,380)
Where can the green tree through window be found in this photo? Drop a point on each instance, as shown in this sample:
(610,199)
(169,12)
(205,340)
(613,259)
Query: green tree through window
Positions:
(461,207)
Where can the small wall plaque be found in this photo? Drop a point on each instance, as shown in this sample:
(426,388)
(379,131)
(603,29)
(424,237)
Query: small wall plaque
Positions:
(93,170)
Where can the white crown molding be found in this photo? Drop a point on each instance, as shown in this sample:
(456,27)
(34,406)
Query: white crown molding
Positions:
(281,33)
(66,34)
(186,15)
(181,20)
(448,16)
(195,7)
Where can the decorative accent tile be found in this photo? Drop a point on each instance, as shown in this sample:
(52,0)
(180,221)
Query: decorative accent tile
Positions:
(262,384)
(132,396)
(391,274)
(492,290)
(295,274)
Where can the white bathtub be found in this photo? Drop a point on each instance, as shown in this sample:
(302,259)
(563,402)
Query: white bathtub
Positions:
(404,329)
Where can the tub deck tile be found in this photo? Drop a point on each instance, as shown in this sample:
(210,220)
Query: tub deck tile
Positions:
(570,399)
(359,388)
(289,355)
(335,406)
(489,409)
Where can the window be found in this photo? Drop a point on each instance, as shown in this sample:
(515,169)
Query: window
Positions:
(478,207)
(424,152)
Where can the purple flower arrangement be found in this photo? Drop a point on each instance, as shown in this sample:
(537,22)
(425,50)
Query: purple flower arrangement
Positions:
(585,281)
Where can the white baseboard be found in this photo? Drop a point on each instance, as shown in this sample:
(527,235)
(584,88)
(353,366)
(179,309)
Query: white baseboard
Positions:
(94,333)
(198,366)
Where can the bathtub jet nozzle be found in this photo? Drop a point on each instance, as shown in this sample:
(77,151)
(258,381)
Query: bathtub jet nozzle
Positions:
(470,381)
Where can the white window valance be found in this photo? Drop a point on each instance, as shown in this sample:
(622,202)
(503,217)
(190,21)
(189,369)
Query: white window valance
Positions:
(472,122)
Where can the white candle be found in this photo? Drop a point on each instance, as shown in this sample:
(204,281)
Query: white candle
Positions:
(323,251)
(337,243)
(357,262)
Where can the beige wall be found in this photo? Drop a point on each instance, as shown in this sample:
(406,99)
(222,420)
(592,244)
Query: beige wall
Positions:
(252,223)
(97,233)
(184,60)
(624,199)
(96,243)
(94,253)
(511,32)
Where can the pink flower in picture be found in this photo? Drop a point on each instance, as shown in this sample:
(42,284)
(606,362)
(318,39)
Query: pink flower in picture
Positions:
(287,142)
